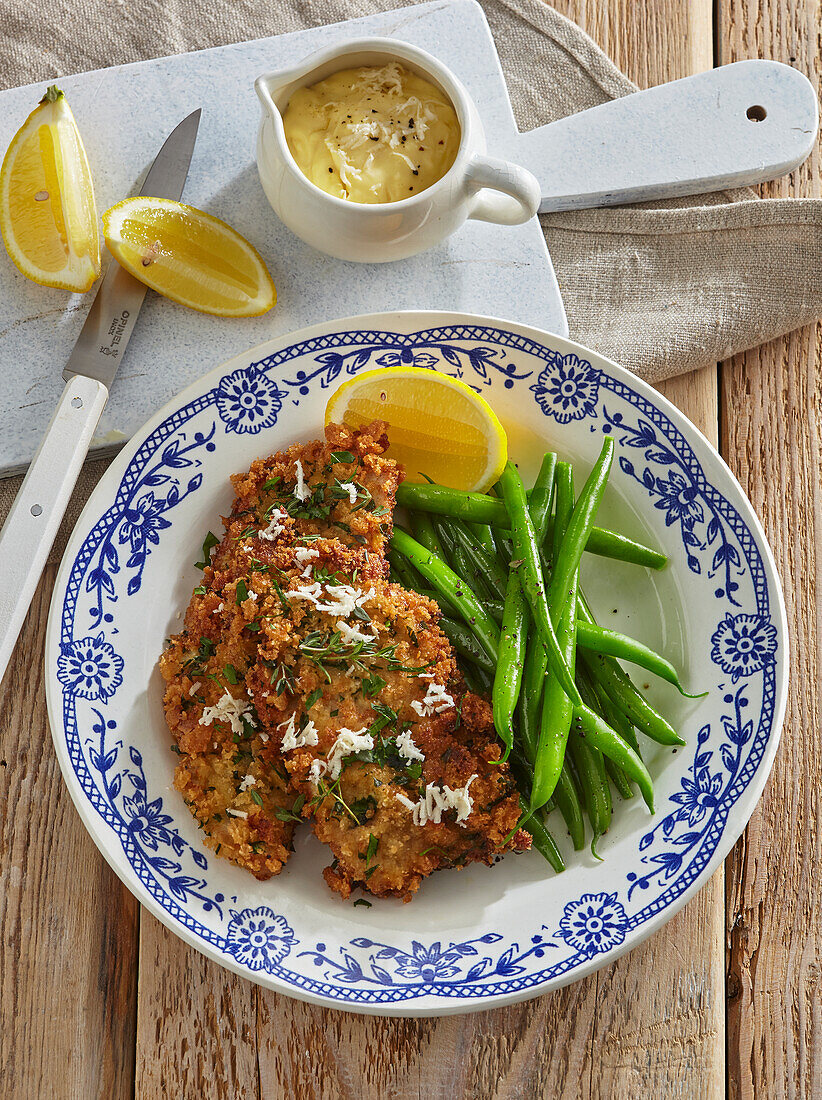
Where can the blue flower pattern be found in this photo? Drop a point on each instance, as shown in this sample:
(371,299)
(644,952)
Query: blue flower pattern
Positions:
(567,387)
(259,938)
(743,644)
(248,401)
(594,924)
(90,669)
(142,525)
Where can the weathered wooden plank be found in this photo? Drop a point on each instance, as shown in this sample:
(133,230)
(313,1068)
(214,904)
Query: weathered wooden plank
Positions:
(770,430)
(195,1023)
(68,928)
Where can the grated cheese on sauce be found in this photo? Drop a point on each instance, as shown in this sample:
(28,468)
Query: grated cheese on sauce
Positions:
(373,134)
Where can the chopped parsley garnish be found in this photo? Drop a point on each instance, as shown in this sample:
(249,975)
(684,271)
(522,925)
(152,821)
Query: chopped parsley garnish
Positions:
(313,697)
(293,814)
(230,673)
(373,686)
(271,484)
(364,809)
(362,901)
(242,592)
(342,456)
(200,590)
(373,845)
(258,798)
(210,542)
(197,662)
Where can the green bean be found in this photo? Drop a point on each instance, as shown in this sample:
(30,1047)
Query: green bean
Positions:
(544,843)
(620,780)
(533,585)
(617,685)
(568,803)
(480,508)
(400,568)
(465,570)
(622,692)
(613,715)
(445,580)
(484,535)
(557,708)
(472,678)
(610,544)
(477,507)
(540,496)
(464,641)
(599,734)
(573,542)
(445,537)
(594,697)
(483,563)
(533,675)
(508,676)
(593,780)
(424,532)
(600,639)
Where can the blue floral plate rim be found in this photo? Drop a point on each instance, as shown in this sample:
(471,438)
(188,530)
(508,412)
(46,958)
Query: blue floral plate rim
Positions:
(414,978)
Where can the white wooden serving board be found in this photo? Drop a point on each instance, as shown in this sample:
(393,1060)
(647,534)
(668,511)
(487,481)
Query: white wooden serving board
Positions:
(125,113)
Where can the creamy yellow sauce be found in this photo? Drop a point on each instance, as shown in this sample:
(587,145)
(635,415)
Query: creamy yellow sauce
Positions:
(373,134)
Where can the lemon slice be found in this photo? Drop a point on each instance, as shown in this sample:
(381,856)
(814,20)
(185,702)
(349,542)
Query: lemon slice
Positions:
(47,214)
(189,256)
(439,427)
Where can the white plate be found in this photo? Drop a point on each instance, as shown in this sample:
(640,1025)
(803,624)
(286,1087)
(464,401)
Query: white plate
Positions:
(481,937)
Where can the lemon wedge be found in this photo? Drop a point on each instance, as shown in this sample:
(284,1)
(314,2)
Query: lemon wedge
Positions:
(189,256)
(47,214)
(439,427)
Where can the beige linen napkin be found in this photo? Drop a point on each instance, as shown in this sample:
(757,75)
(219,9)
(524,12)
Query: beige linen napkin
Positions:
(662,288)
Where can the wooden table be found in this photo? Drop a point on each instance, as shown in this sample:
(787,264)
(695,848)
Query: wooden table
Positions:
(97,999)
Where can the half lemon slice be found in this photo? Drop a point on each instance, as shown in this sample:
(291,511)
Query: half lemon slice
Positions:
(47,214)
(439,427)
(189,256)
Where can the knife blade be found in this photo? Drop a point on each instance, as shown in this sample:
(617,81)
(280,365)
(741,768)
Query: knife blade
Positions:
(38,509)
(113,314)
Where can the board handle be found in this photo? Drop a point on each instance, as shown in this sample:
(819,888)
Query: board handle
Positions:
(737,125)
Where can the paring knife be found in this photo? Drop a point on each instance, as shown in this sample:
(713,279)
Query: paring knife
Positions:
(39,507)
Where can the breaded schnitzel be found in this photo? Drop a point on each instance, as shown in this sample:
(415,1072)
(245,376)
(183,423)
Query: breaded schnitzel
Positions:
(347,695)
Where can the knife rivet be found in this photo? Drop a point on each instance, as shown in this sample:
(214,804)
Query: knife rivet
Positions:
(77,402)
(41,196)
(36,510)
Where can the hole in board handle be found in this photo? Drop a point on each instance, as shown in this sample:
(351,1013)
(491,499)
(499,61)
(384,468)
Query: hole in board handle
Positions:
(757,113)
(77,402)
(36,510)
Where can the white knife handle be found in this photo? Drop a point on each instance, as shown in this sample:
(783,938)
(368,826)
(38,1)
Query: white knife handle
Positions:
(739,124)
(39,507)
